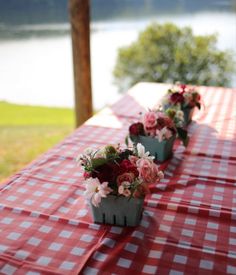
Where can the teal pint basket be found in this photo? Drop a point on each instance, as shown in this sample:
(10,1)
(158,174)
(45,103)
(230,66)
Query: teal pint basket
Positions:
(160,150)
(118,210)
(188,114)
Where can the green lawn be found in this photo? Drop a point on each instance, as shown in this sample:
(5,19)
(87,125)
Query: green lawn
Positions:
(27,131)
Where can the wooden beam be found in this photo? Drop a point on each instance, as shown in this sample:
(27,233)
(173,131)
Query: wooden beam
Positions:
(80,32)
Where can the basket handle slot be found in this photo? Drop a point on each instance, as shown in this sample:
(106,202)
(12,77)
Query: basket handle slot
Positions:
(125,220)
(156,157)
(114,219)
(103,218)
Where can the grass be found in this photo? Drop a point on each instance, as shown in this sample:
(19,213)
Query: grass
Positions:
(28,131)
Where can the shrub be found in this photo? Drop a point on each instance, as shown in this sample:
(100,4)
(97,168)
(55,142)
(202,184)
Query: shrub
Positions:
(167,53)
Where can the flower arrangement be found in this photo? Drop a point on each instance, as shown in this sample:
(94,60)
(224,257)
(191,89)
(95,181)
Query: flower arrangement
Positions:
(113,171)
(160,125)
(183,97)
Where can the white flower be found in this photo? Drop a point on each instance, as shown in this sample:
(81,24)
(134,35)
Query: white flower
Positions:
(168,133)
(180,115)
(80,159)
(121,189)
(180,123)
(165,100)
(88,151)
(142,153)
(96,190)
(164,133)
(100,153)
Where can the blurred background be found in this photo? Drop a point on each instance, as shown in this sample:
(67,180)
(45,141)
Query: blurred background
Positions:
(36,61)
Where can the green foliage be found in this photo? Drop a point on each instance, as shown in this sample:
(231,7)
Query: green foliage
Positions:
(167,53)
(183,135)
(96,162)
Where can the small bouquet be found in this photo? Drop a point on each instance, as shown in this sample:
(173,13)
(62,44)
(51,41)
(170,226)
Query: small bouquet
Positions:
(182,96)
(160,125)
(117,172)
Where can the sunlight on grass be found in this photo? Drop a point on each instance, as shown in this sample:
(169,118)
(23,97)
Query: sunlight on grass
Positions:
(13,114)
(28,131)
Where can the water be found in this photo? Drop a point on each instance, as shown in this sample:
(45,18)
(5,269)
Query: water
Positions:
(38,70)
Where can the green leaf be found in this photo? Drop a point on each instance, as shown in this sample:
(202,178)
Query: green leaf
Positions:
(98,162)
(186,141)
(127,141)
(110,151)
(198,105)
(183,135)
(134,139)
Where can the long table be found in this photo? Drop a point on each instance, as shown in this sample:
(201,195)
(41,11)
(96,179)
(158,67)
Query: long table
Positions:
(189,220)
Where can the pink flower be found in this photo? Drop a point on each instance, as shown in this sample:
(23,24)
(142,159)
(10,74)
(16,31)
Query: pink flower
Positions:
(150,120)
(126,177)
(124,189)
(121,189)
(168,133)
(87,175)
(126,193)
(163,134)
(161,175)
(96,190)
(148,171)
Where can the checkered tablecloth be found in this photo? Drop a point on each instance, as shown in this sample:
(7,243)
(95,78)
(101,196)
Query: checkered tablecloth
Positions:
(189,220)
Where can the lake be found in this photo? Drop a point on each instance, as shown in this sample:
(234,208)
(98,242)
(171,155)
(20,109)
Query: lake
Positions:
(38,70)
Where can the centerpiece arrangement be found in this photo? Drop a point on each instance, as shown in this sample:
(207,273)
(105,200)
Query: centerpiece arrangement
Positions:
(157,132)
(116,182)
(183,98)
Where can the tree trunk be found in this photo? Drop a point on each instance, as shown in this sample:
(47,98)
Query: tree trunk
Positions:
(80,32)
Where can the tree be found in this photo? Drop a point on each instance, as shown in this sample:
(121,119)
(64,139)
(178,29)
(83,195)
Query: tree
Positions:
(167,53)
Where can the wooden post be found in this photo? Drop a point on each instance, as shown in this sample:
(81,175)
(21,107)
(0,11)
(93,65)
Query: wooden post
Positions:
(80,32)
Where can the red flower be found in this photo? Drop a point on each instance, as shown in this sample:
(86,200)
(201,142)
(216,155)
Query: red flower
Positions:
(127,166)
(164,121)
(136,129)
(192,104)
(176,98)
(127,177)
(183,87)
(196,97)
(106,172)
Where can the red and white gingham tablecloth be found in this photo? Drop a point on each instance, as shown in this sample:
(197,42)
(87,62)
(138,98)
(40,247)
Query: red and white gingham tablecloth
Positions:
(189,220)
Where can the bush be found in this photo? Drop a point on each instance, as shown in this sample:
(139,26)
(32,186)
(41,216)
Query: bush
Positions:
(167,53)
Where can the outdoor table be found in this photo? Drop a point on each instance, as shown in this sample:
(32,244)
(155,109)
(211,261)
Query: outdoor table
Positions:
(189,220)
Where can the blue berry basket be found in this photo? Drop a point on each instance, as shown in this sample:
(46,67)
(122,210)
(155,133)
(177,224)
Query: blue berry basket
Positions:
(118,210)
(160,150)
